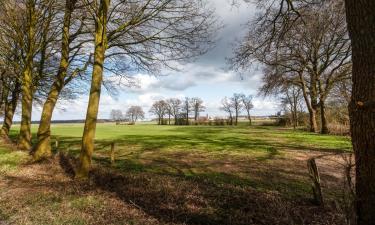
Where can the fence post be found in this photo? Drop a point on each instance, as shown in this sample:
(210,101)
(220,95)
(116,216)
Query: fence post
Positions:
(57,143)
(315,177)
(112,153)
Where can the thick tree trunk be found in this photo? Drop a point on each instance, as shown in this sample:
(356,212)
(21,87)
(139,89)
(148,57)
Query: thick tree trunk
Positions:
(94,98)
(312,120)
(311,106)
(43,147)
(361,23)
(323,118)
(10,108)
(24,141)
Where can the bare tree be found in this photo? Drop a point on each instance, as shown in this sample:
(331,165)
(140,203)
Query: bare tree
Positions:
(159,108)
(314,54)
(236,102)
(71,46)
(186,108)
(197,106)
(291,102)
(116,115)
(247,102)
(134,113)
(174,106)
(227,106)
(360,15)
(141,36)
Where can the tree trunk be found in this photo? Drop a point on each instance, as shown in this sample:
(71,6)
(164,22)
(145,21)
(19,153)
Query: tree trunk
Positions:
(10,108)
(43,147)
(249,117)
(24,141)
(94,98)
(312,119)
(312,113)
(361,23)
(236,121)
(324,125)
(311,104)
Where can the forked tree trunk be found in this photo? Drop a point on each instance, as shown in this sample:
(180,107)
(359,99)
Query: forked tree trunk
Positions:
(24,141)
(10,108)
(96,83)
(361,23)
(42,149)
(311,106)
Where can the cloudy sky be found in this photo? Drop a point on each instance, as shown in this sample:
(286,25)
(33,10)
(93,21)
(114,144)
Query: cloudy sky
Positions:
(208,77)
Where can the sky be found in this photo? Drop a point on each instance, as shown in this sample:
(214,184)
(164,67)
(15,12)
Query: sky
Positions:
(208,77)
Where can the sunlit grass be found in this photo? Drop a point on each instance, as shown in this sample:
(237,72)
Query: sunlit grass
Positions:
(240,155)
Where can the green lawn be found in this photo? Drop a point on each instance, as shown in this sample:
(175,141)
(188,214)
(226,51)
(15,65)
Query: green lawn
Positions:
(175,175)
(260,157)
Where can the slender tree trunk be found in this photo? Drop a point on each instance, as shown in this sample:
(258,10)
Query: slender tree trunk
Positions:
(10,108)
(361,23)
(295,103)
(236,121)
(323,118)
(24,141)
(94,98)
(249,117)
(43,147)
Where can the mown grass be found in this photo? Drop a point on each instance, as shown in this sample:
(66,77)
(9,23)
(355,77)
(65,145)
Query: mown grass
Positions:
(172,175)
(258,156)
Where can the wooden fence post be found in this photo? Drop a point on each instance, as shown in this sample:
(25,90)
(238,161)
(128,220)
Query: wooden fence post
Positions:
(57,143)
(315,177)
(112,153)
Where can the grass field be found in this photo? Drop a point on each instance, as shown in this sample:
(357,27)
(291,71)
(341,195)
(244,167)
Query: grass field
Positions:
(196,174)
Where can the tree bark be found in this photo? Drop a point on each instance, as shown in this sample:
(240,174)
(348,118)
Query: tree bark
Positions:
(323,118)
(311,105)
(94,98)
(249,117)
(361,24)
(10,108)
(24,141)
(43,147)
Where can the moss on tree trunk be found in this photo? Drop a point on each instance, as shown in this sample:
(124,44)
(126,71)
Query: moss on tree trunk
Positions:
(87,148)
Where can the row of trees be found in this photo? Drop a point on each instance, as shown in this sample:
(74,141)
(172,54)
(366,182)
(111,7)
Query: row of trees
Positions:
(309,60)
(235,105)
(48,49)
(133,114)
(178,109)
(316,46)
